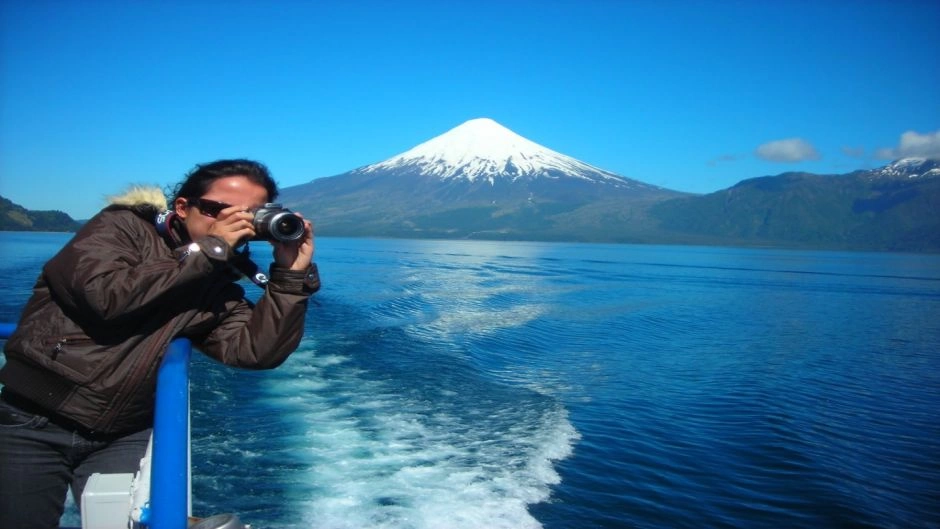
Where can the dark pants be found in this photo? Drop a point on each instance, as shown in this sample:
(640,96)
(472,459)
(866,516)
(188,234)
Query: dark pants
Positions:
(39,460)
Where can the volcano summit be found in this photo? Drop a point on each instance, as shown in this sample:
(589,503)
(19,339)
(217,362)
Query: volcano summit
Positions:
(482,149)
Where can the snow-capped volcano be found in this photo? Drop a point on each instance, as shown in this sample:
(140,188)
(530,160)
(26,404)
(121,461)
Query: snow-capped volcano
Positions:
(482,150)
(478,179)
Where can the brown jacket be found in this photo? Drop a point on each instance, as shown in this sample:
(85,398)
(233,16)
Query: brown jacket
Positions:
(90,339)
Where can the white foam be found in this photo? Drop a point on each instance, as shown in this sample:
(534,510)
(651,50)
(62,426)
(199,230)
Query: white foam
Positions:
(379,458)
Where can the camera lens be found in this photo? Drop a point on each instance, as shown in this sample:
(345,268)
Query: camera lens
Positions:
(275,223)
(287,227)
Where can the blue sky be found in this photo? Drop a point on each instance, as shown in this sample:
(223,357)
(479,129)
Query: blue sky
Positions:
(693,95)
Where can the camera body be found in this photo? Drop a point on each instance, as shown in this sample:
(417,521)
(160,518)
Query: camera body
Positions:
(272,222)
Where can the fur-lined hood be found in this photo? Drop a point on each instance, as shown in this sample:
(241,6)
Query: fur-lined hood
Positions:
(140,197)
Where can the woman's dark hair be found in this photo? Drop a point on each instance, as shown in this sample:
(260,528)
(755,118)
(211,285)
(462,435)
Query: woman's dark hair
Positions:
(199,179)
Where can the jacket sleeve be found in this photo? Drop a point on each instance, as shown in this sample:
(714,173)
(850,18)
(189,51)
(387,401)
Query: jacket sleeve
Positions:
(114,267)
(262,336)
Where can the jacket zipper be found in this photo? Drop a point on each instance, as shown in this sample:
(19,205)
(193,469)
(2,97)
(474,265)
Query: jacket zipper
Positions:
(58,348)
(63,341)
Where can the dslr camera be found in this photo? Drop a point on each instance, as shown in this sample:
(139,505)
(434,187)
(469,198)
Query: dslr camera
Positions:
(272,222)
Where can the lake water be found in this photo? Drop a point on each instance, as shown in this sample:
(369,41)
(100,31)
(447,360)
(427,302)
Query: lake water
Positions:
(462,384)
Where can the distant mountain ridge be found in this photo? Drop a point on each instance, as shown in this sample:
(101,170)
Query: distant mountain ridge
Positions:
(14,217)
(889,208)
(481,180)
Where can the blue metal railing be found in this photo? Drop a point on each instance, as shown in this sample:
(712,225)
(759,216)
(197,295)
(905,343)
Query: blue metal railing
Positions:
(169,459)
(6,329)
(169,465)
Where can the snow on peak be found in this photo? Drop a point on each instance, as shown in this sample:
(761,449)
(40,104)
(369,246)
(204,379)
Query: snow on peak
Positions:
(482,148)
(912,167)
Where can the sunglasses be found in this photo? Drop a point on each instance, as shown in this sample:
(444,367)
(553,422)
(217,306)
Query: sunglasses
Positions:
(209,208)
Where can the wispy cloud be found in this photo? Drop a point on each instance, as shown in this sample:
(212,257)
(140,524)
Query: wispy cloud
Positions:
(853,152)
(913,144)
(724,158)
(788,150)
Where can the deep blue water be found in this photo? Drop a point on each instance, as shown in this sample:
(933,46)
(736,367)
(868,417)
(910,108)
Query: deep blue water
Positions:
(460,384)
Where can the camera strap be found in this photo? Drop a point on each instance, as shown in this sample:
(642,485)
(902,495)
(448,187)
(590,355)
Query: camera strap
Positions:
(171,228)
(243,263)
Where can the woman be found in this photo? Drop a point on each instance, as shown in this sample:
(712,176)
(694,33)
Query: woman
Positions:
(79,378)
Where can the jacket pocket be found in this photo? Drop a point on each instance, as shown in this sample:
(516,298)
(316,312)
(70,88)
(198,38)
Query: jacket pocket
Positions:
(76,357)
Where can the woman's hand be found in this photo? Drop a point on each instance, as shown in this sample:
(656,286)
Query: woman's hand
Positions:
(234,225)
(295,255)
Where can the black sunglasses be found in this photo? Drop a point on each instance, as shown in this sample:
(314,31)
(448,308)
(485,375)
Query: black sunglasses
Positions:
(209,208)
